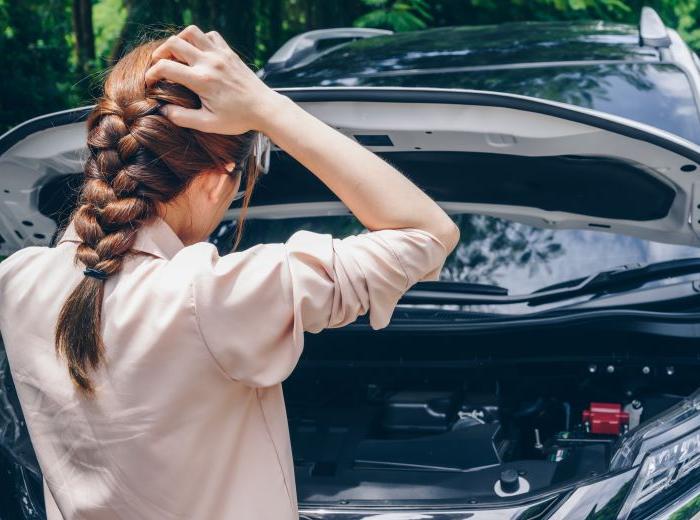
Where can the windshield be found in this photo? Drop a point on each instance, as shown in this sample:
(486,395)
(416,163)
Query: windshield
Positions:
(658,94)
(493,250)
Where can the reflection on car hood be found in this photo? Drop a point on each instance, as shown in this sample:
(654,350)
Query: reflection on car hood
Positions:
(590,64)
(657,94)
(471,46)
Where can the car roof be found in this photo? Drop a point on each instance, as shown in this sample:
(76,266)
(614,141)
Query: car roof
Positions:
(502,45)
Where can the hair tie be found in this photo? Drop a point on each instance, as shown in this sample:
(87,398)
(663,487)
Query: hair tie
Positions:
(99,274)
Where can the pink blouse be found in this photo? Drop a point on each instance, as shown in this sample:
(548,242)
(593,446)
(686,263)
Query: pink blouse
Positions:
(188,421)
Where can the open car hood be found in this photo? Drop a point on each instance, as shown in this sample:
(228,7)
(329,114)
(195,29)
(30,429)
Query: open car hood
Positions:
(542,163)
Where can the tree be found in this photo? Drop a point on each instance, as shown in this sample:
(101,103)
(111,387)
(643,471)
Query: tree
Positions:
(36,59)
(397,15)
(146,19)
(84,34)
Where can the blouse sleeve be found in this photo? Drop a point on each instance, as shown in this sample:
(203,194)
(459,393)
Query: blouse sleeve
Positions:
(253,307)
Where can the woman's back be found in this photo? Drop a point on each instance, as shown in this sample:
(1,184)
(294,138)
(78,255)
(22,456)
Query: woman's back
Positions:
(188,418)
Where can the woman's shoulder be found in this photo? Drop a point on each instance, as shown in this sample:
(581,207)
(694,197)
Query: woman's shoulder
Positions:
(23,269)
(22,257)
(204,258)
(256,262)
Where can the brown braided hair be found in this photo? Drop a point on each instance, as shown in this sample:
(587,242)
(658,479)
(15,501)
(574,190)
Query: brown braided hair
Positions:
(137,159)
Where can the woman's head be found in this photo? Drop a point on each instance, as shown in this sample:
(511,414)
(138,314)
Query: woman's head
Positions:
(141,165)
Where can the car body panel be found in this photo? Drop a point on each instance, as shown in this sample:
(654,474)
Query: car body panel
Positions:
(422,121)
(597,500)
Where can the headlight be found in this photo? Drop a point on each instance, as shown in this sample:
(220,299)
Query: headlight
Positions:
(668,449)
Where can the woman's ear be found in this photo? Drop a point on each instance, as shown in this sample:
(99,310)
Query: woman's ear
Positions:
(215,185)
(219,186)
(227,185)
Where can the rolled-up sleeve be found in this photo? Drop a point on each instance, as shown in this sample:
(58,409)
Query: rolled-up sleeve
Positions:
(253,307)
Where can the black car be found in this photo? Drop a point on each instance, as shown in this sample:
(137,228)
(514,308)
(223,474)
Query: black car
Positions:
(553,371)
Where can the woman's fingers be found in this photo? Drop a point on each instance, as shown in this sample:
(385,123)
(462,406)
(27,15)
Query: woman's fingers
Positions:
(177,48)
(196,37)
(173,71)
(197,119)
(234,99)
(217,40)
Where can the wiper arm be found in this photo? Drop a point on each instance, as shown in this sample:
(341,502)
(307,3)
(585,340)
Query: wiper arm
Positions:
(621,279)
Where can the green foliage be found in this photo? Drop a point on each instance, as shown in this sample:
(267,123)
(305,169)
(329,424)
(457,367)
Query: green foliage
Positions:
(684,16)
(397,15)
(35,57)
(109,17)
(688,511)
(38,41)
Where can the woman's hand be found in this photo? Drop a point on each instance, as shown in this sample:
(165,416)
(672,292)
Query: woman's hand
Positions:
(234,99)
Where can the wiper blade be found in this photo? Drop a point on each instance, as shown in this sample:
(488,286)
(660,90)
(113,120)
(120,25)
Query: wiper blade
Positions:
(621,279)
(463,287)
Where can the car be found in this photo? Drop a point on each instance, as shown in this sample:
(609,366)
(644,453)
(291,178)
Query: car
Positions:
(552,372)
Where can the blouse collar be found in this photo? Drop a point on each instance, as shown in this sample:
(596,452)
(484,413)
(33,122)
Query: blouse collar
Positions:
(155,238)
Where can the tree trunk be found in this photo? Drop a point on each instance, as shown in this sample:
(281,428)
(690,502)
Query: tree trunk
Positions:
(84,35)
(310,15)
(275,21)
(147,19)
(238,26)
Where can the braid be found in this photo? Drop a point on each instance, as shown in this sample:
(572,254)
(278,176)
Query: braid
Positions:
(113,204)
(137,160)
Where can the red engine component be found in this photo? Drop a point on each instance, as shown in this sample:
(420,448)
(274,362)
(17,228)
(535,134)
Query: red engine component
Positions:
(606,419)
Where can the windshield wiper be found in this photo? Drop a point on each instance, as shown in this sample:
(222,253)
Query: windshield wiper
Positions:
(462,287)
(620,279)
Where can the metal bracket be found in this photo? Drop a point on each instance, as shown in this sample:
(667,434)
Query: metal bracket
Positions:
(694,212)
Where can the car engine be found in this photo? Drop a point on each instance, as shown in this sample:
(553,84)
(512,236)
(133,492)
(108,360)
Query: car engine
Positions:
(418,429)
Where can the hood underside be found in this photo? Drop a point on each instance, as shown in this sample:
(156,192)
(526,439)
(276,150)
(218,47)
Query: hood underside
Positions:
(537,162)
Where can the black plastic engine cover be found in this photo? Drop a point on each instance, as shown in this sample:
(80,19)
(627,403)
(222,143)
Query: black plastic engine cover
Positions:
(467,448)
(416,411)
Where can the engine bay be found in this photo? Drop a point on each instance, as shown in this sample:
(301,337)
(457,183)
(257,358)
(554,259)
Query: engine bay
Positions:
(474,430)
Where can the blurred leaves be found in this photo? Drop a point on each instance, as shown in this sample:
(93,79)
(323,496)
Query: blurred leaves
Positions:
(36,59)
(109,17)
(397,15)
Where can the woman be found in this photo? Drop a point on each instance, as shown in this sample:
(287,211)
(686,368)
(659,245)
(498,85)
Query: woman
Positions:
(148,367)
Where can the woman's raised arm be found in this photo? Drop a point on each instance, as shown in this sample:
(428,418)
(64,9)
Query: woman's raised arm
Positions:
(235,100)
